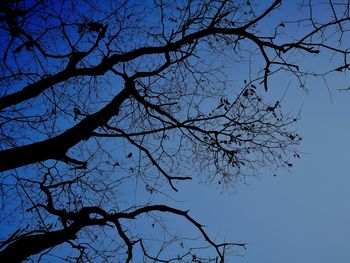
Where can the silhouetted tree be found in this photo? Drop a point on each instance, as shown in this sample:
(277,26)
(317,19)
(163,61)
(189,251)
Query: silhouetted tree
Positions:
(101,99)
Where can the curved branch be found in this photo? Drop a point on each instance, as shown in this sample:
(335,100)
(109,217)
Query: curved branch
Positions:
(35,89)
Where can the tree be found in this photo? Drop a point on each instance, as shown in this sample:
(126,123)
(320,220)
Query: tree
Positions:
(103,98)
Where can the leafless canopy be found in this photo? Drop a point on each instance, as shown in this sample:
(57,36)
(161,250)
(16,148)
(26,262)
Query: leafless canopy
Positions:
(103,100)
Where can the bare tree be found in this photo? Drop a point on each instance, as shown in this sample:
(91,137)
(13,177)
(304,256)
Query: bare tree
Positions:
(100,99)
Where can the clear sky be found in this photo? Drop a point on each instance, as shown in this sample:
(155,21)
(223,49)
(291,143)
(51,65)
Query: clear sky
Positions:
(301,215)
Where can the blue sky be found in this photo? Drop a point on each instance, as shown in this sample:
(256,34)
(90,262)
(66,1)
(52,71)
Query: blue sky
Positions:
(301,215)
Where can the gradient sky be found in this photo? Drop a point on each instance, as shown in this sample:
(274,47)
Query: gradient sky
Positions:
(301,215)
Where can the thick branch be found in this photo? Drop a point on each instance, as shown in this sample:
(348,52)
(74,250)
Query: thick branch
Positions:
(30,245)
(56,148)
